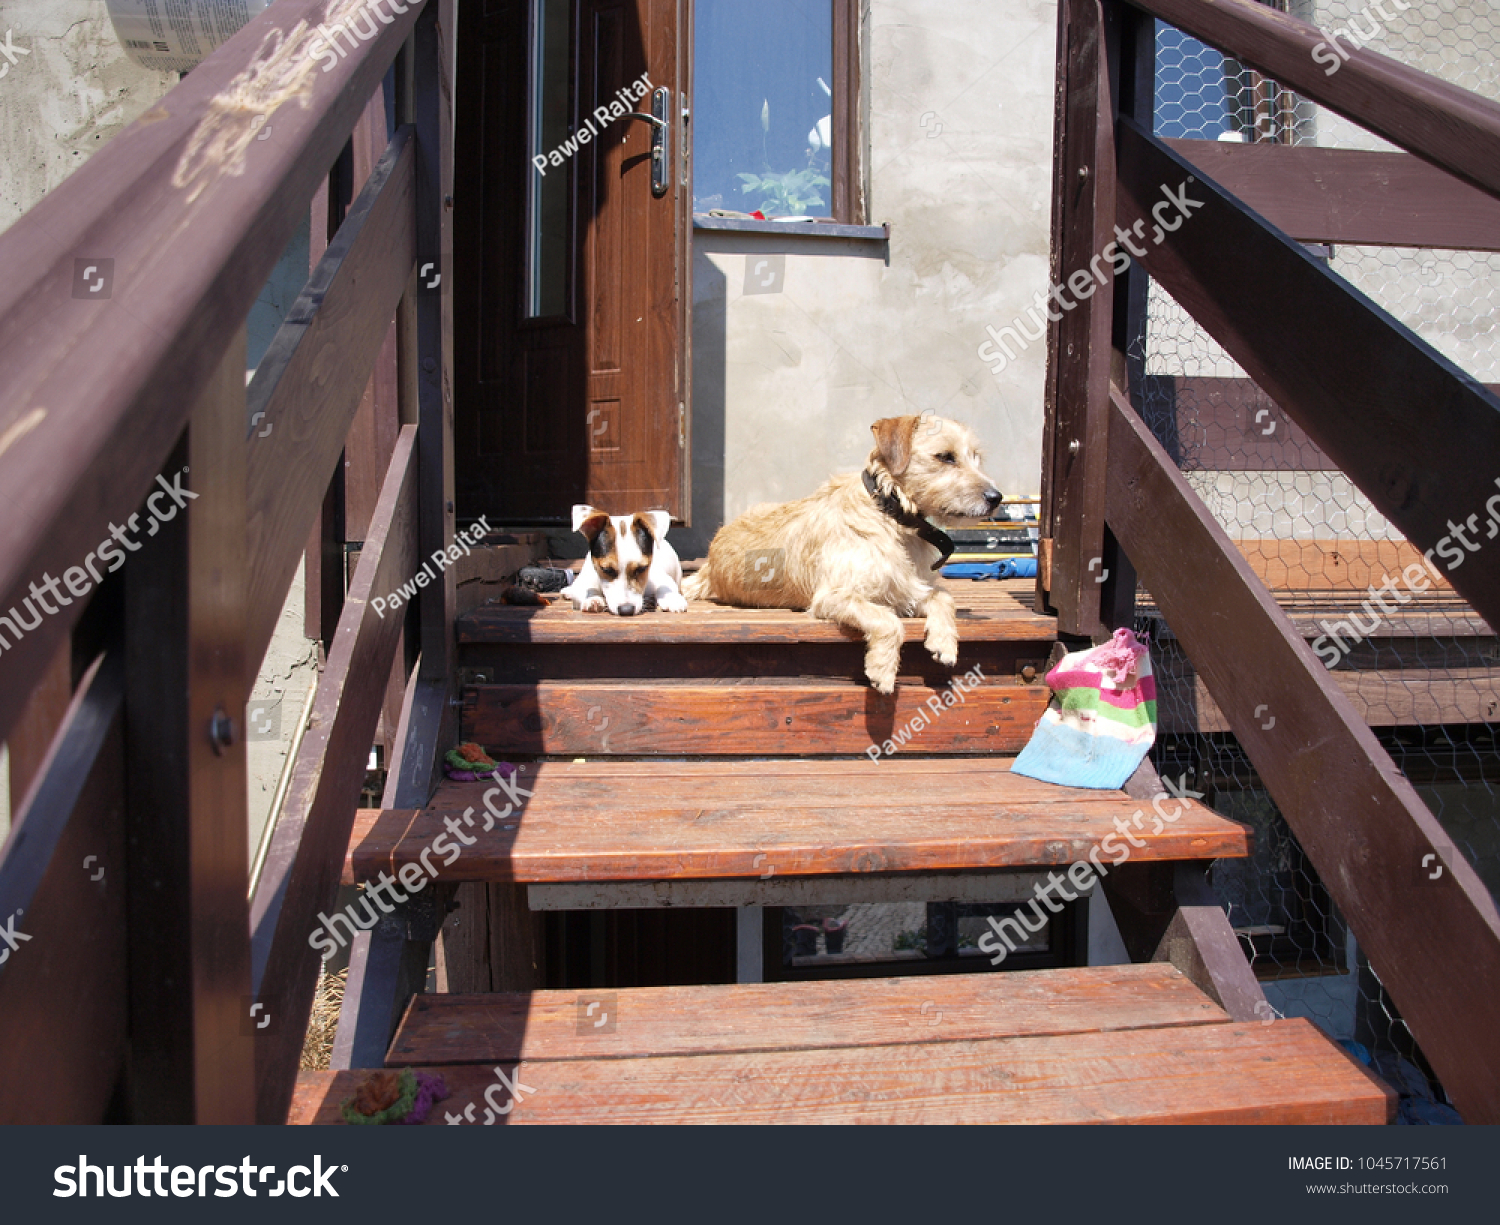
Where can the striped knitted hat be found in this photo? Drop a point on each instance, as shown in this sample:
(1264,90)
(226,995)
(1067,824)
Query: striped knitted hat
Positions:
(1101,721)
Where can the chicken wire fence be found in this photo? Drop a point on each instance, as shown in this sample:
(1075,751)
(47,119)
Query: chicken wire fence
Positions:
(1419,664)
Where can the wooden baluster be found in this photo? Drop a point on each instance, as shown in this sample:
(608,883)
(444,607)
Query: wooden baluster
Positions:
(1078,343)
(190,1057)
(388,962)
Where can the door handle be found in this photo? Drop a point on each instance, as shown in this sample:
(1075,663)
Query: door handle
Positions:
(661,136)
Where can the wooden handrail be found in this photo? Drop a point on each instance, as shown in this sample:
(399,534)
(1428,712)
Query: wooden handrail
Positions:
(183,215)
(1411,430)
(1445,124)
(179,221)
(1362,197)
(1359,820)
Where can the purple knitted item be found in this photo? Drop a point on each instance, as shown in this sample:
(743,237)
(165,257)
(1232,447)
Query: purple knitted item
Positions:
(430,1090)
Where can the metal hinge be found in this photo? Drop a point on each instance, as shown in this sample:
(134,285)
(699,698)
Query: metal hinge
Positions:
(681,425)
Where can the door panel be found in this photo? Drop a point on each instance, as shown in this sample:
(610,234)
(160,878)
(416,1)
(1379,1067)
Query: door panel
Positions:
(574,390)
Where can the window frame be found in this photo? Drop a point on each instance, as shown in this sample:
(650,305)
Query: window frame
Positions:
(848,204)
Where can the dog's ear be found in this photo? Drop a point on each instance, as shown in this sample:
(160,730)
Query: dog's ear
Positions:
(644,530)
(893,437)
(658,520)
(589,521)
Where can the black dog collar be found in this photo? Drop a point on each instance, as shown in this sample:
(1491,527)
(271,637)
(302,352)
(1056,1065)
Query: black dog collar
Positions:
(935,536)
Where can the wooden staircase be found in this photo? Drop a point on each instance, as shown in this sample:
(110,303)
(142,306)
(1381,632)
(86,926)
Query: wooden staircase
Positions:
(723,758)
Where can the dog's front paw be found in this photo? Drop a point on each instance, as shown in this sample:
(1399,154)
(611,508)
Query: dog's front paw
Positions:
(671,601)
(882,680)
(593,604)
(946,653)
(942,644)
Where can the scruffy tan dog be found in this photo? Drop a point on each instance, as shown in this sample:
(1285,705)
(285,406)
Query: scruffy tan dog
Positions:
(860,551)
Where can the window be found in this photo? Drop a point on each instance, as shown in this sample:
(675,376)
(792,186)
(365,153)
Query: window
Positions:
(774,100)
(864,939)
(547,198)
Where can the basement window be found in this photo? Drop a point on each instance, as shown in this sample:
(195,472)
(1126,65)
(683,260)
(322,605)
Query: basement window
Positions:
(864,939)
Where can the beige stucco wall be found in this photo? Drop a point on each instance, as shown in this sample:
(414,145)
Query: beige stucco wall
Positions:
(69,90)
(959,162)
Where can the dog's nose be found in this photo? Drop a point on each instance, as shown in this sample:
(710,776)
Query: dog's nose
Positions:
(627,610)
(993,498)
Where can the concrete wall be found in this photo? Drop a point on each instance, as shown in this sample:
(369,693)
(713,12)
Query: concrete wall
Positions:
(69,90)
(65,96)
(959,161)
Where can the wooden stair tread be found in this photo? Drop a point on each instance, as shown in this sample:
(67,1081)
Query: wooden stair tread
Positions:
(988,611)
(630,821)
(546,1025)
(767,715)
(1284,1072)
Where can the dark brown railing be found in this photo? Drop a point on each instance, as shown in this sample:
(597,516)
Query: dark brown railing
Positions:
(147,975)
(139,983)
(1413,432)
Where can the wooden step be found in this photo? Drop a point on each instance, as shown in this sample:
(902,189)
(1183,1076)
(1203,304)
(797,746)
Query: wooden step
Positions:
(610,820)
(529,663)
(1120,1044)
(545,1025)
(1286,1072)
(988,611)
(805,718)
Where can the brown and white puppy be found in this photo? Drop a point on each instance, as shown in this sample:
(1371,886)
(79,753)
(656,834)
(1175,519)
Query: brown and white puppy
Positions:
(630,567)
(861,550)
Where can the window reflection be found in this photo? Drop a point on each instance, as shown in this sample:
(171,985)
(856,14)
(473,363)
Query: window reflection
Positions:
(763,107)
(548,189)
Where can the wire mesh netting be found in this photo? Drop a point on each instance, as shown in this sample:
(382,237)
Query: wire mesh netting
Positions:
(1415,659)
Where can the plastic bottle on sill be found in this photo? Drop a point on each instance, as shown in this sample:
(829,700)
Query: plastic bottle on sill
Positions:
(184,41)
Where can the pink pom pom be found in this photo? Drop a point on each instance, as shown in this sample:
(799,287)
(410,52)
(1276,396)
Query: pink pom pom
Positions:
(1120,656)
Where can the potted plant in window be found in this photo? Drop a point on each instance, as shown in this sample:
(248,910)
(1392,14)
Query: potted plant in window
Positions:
(789,193)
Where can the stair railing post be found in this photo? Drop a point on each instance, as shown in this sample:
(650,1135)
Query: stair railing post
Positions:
(190,1056)
(388,963)
(1080,331)
(1130,37)
(432,117)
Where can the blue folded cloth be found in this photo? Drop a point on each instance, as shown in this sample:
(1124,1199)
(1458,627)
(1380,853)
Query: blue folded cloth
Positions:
(1006,567)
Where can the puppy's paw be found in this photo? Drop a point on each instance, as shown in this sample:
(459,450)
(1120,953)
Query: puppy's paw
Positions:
(671,601)
(882,680)
(592,604)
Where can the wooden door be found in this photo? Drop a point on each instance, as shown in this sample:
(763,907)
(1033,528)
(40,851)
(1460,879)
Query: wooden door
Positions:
(571,379)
